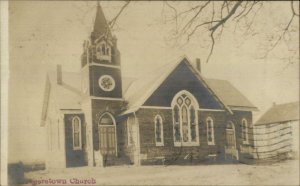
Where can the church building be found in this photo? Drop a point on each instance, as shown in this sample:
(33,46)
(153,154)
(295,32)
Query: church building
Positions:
(97,117)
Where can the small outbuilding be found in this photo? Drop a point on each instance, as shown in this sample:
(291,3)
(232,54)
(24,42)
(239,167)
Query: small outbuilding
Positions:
(276,133)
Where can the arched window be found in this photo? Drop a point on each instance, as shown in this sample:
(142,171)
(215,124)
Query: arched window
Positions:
(185,119)
(107,51)
(158,126)
(103,49)
(106,119)
(76,128)
(245,131)
(210,131)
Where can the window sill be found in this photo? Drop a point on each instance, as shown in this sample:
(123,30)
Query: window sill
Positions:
(77,148)
(159,144)
(190,144)
(211,144)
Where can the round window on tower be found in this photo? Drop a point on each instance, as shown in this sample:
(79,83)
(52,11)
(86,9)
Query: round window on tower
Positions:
(106,83)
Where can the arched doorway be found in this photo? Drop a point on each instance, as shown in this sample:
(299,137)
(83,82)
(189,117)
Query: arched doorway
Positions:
(107,134)
(230,147)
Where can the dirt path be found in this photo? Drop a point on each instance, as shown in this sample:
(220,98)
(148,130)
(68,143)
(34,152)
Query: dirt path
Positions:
(286,173)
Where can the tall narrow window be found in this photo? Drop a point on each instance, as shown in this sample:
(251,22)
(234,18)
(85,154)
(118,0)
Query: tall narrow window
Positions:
(176,124)
(245,131)
(185,119)
(107,51)
(76,125)
(158,126)
(185,125)
(210,131)
(193,124)
(103,49)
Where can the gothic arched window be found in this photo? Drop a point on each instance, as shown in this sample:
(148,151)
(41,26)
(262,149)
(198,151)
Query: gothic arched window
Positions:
(210,131)
(76,130)
(158,126)
(185,119)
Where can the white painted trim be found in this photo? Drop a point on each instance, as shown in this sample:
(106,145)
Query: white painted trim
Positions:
(212,110)
(169,108)
(155,107)
(212,132)
(104,65)
(138,145)
(107,98)
(129,132)
(71,111)
(80,133)
(234,108)
(190,95)
(193,103)
(113,83)
(161,130)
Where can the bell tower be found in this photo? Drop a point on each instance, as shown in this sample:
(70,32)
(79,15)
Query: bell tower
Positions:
(100,61)
(102,98)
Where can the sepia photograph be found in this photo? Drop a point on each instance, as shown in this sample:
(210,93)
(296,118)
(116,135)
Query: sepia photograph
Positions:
(150,93)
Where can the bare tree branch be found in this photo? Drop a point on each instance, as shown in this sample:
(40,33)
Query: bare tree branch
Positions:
(280,37)
(222,21)
(113,21)
(293,10)
(189,23)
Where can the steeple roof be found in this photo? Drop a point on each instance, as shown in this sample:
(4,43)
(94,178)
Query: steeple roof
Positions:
(100,26)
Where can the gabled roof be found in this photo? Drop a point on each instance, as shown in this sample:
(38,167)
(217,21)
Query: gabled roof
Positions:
(280,113)
(147,83)
(231,96)
(223,91)
(68,95)
(65,96)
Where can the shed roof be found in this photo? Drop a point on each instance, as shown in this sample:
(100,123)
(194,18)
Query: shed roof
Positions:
(280,113)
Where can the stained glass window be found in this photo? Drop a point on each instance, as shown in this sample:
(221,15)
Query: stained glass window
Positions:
(158,130)
(185,119)
(210,131)
(193,123)
(177,124)
(185,124)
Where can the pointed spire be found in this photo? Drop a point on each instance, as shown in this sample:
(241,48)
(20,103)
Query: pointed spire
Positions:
(100,26)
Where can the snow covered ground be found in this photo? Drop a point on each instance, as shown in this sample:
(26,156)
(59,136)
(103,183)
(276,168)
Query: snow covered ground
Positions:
(283,173)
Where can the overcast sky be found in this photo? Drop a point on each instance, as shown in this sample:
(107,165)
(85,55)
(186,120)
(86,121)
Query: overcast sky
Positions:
(45,33)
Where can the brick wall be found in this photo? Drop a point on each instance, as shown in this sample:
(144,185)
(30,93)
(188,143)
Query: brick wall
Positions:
(149,149)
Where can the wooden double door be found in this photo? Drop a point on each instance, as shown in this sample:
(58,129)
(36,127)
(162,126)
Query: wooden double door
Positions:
(230,148)
(107,140)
